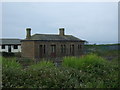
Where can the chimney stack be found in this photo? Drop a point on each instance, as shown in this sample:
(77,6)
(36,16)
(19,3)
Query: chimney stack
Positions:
(61,31)
(28,33)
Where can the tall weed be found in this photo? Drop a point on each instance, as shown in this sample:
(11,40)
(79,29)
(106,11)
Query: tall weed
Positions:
(42,64)
(11,72)
(87,61)
(96,68)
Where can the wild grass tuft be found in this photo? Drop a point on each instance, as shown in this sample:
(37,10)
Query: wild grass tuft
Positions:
(11,71)
(96,68)
(84,61)
(90,71)
(42,64)
(10,63)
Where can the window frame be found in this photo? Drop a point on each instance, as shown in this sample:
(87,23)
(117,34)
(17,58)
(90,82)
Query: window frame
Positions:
(79,46)
(63,48)
(44,49)
(72,48)
(15,46)
(53,48)
(2,46)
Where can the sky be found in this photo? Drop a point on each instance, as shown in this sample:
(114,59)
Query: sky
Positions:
(95,22)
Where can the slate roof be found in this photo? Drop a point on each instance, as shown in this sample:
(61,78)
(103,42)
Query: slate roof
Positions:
(9,41)
(54,37)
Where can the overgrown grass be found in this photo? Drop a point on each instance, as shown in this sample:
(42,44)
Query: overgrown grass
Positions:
(81,63)
(90,71)
(102,73)
(11,63)
(11,71)
(42,64)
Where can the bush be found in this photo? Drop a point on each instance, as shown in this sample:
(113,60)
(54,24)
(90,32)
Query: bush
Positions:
(11,71)
(42,64)
(25,61)
(83,62)
(88,71)
(18,54)
(49,78)
(7,54)
(96,68)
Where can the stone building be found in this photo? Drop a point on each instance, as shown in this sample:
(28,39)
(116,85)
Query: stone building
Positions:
(50,45)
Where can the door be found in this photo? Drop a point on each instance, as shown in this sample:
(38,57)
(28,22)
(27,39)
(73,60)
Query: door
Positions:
(9,48)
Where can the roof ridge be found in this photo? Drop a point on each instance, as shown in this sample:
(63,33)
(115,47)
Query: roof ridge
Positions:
(51,34)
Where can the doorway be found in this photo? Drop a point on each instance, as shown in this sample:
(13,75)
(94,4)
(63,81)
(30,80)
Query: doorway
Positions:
(9,48)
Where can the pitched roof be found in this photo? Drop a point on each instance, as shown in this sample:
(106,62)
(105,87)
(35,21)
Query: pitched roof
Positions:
(9,41)
(54,37)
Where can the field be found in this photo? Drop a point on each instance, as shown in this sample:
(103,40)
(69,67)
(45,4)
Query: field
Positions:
(97,68)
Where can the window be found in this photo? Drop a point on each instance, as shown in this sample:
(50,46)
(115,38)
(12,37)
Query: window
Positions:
(44,49)
(72,49)
(63,48)
(3,46)
(15,46)
(41,51)
(79,46)
(53,47)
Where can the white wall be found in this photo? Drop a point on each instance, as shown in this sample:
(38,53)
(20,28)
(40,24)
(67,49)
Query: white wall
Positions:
(4,50)
(16,50)
(12,48)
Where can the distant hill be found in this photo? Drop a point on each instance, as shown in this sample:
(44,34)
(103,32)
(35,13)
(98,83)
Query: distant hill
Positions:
(102,47)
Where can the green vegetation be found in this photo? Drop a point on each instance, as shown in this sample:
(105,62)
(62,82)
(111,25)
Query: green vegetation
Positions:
(42,64)
(101,73)
(89,71)
(90,60)
(108,51)
(11,71)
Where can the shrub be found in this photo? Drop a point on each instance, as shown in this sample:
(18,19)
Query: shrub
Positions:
(25,61)
(87,61)
(18,54)
(45,75)
(10,63)
(7,54)
(11,71)
(42,64)
(96,68)
(88,73)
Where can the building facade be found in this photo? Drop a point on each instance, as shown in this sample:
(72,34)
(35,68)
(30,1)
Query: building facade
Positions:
(50,45)
(10,45)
